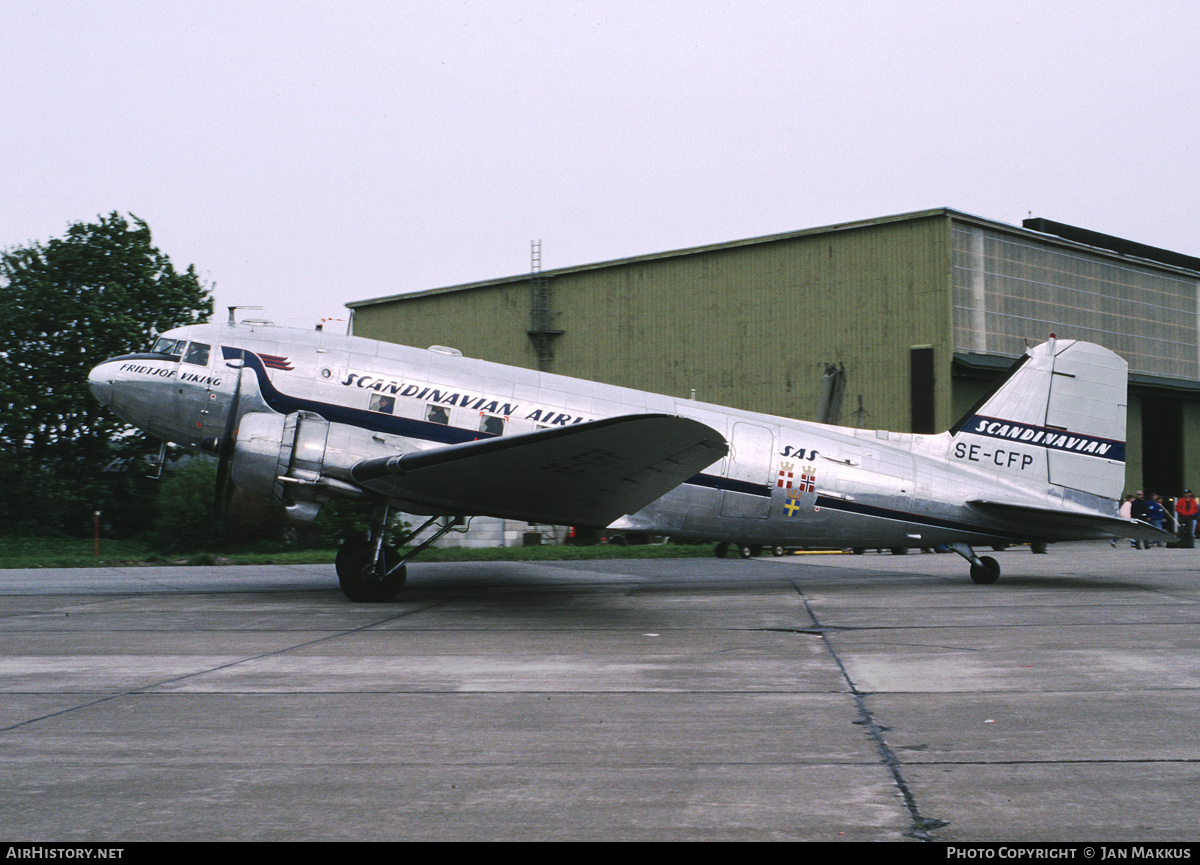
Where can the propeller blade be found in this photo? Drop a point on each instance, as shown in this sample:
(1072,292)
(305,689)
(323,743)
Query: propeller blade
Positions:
(227,444)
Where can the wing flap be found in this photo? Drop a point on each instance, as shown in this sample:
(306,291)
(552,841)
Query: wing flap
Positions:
(586,475)
(1056,524)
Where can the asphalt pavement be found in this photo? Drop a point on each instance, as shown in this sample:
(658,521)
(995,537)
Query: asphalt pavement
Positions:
(809,697)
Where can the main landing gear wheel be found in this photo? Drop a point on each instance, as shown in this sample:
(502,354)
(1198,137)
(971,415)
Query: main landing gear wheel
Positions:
(363,580)
(370,571)
(986,572)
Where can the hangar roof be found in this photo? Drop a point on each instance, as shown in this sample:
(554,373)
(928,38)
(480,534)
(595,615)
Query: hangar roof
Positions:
(1046,230)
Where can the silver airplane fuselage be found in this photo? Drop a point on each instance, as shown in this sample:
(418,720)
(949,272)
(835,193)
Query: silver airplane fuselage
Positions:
(311,408)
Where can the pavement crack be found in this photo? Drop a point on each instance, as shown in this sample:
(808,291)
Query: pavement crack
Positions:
(153,686)
(922,826)
(816,631)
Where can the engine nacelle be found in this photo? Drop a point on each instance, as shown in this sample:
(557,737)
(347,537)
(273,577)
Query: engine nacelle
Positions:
(289,457)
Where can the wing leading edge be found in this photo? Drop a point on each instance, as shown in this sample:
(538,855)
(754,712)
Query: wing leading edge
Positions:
(585,475)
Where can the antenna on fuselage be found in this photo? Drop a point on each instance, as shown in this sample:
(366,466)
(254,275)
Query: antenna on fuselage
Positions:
(234,309)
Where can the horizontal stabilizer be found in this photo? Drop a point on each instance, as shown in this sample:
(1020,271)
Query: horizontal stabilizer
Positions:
(586,475)
(1056,524)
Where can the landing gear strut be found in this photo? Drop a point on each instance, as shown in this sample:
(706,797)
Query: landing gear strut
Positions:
(984,569)
(369,571)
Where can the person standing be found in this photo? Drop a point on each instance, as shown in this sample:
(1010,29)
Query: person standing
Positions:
(1126,513)
(1185,510)
(1139,511)
(1156,515)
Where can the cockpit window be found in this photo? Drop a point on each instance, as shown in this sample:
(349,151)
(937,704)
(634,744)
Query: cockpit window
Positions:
(170,347)
(197,353)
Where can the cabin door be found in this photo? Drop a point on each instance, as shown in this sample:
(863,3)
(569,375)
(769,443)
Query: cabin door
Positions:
(747,491)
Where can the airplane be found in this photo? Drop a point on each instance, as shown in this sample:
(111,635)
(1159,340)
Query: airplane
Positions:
(310,416)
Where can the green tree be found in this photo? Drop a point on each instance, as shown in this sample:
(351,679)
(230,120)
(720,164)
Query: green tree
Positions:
(66,305)
(187,519)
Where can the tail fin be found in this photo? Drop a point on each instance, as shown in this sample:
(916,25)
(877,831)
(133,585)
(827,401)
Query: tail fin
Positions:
(1058,418)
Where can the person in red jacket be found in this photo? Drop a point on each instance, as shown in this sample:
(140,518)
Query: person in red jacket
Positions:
(1185,509)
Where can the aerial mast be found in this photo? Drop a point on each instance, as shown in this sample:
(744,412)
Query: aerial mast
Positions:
(541,327)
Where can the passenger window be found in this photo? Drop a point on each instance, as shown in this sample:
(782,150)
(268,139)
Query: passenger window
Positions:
(437,414)
(385,404)
(491,424)
(197,353)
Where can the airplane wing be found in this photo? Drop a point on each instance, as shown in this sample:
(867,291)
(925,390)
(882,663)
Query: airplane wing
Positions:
(586,475)
(1056,524)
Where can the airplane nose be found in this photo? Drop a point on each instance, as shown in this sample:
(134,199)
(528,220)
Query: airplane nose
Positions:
(100,384)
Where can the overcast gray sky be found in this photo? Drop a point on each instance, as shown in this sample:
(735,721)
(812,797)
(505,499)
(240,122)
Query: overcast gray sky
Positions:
(306,154)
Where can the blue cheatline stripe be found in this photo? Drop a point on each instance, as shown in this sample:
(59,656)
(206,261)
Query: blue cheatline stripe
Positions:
(368,420)
(418,429)
(719,483)
(905,516)
(850,507)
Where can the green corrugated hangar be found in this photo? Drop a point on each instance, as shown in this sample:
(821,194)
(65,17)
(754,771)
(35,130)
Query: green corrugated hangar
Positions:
(897,323)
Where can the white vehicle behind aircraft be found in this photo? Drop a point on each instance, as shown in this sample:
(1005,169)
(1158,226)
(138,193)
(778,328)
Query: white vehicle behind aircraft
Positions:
(308,416)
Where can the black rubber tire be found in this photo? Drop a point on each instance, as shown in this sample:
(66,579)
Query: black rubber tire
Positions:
(988,574)
(356,574)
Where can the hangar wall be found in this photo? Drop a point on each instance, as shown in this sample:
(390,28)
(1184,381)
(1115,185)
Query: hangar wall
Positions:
(1013,286)
(748,324)
(1009,288)
(752,323)
(488,321)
